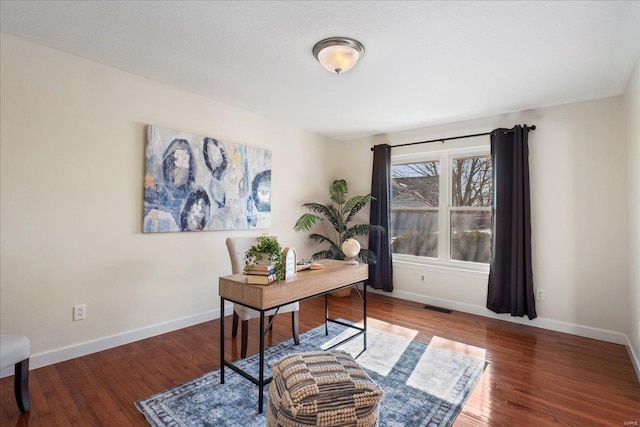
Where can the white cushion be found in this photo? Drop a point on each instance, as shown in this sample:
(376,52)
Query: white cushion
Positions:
(245,313)
(13,349)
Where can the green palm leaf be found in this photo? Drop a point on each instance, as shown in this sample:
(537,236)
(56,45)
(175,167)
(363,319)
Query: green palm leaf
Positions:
(356,200)
(329,212)
(363,230)
(306,221)
(354,205)
(336,219)
(333,252)
(337,190)
(368,256)
(327,254)
(317,208)
(321,239)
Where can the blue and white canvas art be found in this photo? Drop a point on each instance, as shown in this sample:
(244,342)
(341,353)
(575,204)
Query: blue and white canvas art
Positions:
(196,183)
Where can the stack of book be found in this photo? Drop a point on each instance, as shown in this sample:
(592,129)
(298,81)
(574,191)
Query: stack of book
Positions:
(260,274)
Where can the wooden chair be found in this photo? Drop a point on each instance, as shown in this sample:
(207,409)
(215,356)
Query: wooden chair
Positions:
(16,350)
(237,247)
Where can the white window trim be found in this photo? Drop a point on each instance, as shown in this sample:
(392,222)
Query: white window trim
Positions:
(409,261)
(445,158)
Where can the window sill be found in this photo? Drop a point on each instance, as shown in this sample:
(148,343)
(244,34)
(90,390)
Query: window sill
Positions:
(458,268)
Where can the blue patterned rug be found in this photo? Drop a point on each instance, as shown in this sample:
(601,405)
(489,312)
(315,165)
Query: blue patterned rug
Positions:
(423,385)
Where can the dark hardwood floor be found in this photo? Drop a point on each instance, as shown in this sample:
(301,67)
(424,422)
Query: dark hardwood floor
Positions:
(535,377)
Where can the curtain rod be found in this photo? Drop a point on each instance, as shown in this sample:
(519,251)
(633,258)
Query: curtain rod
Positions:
(529,128)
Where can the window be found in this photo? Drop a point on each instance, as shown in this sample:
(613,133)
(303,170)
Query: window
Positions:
(441,207)
(470,210)
(415,200)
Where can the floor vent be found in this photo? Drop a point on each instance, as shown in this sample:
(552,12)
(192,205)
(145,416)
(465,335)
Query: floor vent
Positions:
(438,309)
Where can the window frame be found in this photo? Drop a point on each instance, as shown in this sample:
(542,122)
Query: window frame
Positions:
(445,208)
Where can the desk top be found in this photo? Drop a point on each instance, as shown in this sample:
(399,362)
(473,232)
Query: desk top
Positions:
(306,283)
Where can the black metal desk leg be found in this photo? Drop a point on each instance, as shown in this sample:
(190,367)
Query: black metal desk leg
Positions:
(261,374)
(221,340)
(326,314)
(364,306)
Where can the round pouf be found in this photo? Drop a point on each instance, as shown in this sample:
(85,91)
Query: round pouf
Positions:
(322,388)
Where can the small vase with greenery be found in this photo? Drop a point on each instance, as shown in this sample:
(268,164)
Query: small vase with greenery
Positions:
(266,247)
(339,216)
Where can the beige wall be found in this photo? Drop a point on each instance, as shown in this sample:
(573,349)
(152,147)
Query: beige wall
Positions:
(632,107)
(72,164)
(579,186)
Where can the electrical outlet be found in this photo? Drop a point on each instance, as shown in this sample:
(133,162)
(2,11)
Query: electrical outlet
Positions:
(79,312)
(540,294)
(423,278)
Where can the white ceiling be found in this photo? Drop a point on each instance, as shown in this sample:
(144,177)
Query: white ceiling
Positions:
(426,63)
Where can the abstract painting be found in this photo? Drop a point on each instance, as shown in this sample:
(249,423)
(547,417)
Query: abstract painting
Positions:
(197,183)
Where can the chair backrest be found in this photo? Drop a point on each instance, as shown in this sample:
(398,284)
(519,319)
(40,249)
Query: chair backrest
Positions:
(237,247)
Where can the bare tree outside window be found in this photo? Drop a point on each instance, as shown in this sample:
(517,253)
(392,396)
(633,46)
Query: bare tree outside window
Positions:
(471,184)
(470,212)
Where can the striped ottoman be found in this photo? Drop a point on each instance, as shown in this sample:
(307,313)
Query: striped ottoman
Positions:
(321,388)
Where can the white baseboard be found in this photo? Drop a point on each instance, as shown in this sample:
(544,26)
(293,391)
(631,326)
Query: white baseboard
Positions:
(635,359)
(553,325)
(39,360)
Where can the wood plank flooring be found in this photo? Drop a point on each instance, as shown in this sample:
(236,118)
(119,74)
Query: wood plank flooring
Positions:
(535,377)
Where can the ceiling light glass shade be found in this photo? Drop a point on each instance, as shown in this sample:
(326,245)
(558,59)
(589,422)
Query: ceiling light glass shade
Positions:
(338,54)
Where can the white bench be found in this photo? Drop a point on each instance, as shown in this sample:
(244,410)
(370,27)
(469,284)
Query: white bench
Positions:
(16,350)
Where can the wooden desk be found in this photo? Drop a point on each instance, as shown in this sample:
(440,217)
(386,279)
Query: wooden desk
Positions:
(306,284)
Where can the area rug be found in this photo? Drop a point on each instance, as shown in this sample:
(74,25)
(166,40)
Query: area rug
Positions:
(423,385)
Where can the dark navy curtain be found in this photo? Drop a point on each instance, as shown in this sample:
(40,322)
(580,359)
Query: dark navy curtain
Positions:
(381,273)
(511,275)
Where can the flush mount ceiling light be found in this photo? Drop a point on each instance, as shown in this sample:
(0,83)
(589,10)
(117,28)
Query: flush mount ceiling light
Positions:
(338,54)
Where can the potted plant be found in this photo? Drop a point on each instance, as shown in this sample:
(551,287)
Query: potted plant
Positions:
(266,251)
(339,215)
